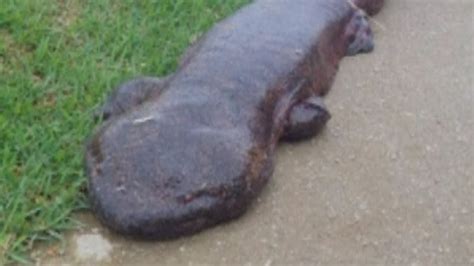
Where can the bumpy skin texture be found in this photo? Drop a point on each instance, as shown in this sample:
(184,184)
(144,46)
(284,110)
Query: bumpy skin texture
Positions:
(184,153)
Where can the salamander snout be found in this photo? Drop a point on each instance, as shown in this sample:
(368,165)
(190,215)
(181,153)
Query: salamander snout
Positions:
(359,35)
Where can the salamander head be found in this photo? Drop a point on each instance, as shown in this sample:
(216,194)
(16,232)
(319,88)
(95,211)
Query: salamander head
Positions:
(359,35)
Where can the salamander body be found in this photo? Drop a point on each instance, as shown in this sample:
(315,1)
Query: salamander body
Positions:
(182,153)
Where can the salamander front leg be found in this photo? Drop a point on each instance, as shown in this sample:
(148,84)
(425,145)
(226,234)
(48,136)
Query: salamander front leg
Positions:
(306,119)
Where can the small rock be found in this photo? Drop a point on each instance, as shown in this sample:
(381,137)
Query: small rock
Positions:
(92,247)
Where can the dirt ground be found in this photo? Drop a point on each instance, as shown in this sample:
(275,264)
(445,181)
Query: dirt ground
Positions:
(389,182)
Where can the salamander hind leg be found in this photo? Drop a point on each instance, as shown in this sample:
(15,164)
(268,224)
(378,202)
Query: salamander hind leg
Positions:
(359,35)
(306,119)
(130,94)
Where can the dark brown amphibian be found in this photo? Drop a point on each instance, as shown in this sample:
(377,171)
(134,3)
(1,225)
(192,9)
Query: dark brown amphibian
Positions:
(183,153)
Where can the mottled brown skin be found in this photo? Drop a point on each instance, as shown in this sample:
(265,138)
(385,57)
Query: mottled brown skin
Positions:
(181,154)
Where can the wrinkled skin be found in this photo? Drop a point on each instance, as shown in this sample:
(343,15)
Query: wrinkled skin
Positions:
(183,153)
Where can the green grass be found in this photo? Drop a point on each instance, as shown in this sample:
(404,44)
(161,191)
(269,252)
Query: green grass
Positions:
(58,61)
